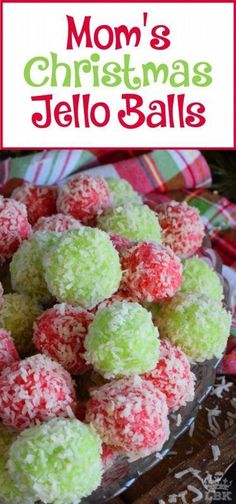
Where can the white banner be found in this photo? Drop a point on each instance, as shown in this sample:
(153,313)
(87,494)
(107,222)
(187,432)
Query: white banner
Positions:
(145,74)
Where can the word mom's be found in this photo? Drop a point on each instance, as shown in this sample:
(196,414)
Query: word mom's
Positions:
(105,37)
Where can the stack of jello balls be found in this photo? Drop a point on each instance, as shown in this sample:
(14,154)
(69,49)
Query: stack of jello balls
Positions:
(106,292)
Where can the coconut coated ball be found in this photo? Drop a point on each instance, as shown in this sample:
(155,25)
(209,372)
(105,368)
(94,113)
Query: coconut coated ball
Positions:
(122,192)
(120,295)
(14,227)
(151,272)
(122,340)
(58,223)
(120,242)
(39,200)
(131,415)
(135,222)
(196,323)
(182,228)
(27,274)
(60,332)
(9,492)
(84,197)
(200,278)
(8,352)
(17,315)
(35,390)
(172,376)
(83,267)
(58,461)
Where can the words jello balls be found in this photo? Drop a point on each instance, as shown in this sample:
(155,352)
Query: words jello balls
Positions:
(59,461)
(197,323)
(83,267)
(122,340)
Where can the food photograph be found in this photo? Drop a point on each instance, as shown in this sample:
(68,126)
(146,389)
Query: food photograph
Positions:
(117,326)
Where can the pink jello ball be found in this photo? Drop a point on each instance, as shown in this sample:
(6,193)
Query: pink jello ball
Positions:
(109,454)
(35,390)
(60,332)
(14,227)
(8,352)
(131,415)
(58,223)
(151,272)
(84,197)
(172,375)
(120,242)
(120,295)
(182,228)
(39,200)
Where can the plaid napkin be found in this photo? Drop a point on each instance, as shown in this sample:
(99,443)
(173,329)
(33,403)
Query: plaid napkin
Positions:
(159,176)
(162,170)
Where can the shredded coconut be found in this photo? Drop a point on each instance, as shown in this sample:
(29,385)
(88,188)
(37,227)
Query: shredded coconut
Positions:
(215,452)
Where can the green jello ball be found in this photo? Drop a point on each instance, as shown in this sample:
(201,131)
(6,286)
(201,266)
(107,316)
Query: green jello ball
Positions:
(122,340)
(136,222)
(59,461)
(200,278)
(17,315)
(83,267)
(122,192)
(9,493)
(27,275)
(197,323)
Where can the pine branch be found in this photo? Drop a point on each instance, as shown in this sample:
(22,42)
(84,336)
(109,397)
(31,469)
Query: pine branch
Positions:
(223,167)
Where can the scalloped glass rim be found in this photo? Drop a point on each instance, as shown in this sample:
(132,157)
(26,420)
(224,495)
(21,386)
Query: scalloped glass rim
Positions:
(122,474)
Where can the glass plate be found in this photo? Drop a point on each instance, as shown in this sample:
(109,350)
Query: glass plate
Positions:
(123,473)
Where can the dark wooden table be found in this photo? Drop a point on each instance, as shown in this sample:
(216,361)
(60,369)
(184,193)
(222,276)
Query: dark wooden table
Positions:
(214,437)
